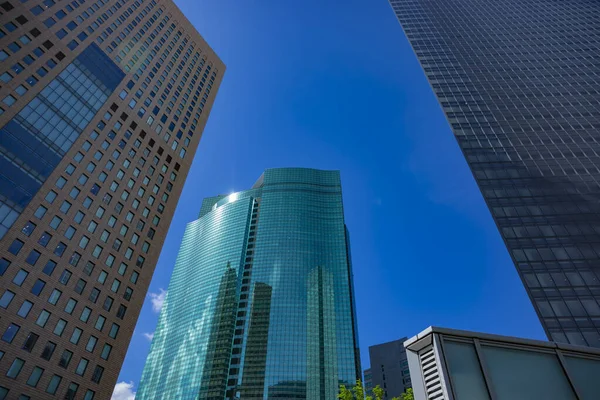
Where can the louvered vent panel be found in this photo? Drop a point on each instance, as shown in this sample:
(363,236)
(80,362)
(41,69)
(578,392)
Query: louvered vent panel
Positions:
(431,375)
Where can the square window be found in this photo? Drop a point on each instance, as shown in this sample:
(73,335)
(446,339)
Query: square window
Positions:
(53,384)
(65,359)
(9,100)
(60,249)
(70,306)
(17,68)
(24,309)
(60,182)
(97,375)
(15,247)
(102,277)
(20,277)
(79,217)
(45,238)
(70,232)
(6,77)
(65,206)
(55,223)
(76,335)
(49,267)
(71,390)
(87,202)
(89,267)
(74,193)
(99,325)
(65,276)
(106,351)
(38,286)
(48,350)
(80,286)
(43,318)
(85,314)
(40,212)
(74,260)
(108,302)
(54,296)
(33,256)
(114,330)
(91,344)
(37,10)
(10,333)
(28,228)
(97,251)
(83,242)
(15,368)
(4,264)
(121,311)
(81,367)
(60,327)
(30,342)
(14,47)
(94,294)
(35,376)
(6,299)
(110,260)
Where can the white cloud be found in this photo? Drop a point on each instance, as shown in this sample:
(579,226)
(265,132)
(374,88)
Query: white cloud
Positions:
(157,299)
(149,336)
(123,391)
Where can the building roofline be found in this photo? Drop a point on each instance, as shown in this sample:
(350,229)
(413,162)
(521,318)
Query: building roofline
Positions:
(403,340)
(414,343)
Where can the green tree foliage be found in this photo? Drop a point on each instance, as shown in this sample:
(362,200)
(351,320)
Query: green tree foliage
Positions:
(408,395)
(345,393)
(358,393)
(378,392)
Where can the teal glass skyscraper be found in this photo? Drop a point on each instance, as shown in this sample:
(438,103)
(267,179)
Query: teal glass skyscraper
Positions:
(261,302)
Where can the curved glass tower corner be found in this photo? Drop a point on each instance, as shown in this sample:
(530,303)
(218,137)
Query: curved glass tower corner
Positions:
(261,302)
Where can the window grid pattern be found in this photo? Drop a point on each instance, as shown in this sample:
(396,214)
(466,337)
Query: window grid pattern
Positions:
(265,272)
(119,149)
(517,82)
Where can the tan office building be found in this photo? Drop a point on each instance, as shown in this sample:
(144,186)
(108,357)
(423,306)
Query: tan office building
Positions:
(102,106)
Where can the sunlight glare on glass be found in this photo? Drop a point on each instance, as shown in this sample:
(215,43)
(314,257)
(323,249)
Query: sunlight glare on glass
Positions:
(233,197)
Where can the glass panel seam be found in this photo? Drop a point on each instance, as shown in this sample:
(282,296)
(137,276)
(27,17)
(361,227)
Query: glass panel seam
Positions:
(484,370)
(563,365)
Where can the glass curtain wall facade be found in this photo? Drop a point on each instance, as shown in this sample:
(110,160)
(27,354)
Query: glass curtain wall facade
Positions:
(517,80)
(260,304)
(102,106)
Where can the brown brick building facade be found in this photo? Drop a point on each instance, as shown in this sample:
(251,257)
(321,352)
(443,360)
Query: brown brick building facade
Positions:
(103,104)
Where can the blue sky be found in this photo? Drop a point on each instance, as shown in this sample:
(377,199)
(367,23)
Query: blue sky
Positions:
(335,85)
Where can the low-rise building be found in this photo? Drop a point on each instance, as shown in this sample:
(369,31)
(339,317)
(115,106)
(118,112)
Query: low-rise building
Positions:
(448,364)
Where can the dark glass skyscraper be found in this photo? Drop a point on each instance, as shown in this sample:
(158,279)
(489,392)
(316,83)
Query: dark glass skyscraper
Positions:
(260,304)
(518,81)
